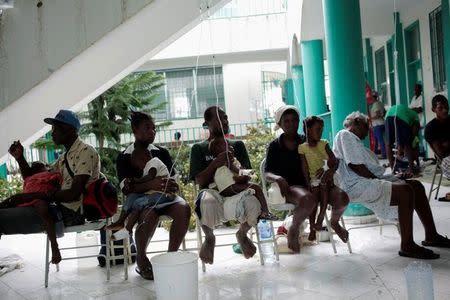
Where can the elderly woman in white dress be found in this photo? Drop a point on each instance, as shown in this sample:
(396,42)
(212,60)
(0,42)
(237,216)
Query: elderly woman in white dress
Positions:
(389,197)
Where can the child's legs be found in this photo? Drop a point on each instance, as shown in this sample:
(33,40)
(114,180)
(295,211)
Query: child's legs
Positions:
(12,202)
(131,220)
(119,224)
(324,199)
(312,217)
(42,210)
(260,196)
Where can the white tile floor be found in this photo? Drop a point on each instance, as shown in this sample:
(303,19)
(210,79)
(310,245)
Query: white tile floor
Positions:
(373,271)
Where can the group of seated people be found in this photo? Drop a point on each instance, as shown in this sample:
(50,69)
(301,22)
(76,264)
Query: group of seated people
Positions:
(308,172)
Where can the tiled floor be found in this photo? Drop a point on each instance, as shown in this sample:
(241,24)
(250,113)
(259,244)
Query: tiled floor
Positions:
(373,271)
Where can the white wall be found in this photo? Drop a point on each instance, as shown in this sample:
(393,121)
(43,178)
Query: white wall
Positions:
(34,42)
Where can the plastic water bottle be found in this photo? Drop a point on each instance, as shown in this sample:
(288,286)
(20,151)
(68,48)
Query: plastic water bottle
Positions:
(265,236)
(58,218)
(419,281)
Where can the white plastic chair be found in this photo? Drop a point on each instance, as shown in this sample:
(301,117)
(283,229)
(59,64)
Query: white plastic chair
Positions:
(437,172)
(88,226)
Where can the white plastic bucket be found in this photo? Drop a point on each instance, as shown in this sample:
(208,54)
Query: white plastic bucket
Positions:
(176,275)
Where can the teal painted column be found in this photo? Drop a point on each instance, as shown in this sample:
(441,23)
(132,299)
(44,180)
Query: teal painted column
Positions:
(288,91)
(299,89)
(369,63)
(345,59)
(3,171)
(314,77)
(401,91)
(446,30)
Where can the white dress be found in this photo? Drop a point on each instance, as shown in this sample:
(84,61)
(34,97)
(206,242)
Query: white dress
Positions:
(375,194)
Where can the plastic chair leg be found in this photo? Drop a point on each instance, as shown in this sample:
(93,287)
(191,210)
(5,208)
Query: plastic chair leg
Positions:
(47,262)
(348,240)
(331,232)
(258,243)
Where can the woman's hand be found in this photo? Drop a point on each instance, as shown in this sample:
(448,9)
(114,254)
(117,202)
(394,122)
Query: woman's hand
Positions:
(241,179)
(284,186)
(319,173)
(164,184)
(327,177)
(224,158)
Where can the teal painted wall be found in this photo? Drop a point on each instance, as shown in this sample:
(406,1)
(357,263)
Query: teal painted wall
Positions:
(397,43)
(314,77)
(342,22)
(369,64)
(446,30)
(299,89)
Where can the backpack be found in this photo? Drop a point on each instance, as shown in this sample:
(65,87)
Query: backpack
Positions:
(99,198)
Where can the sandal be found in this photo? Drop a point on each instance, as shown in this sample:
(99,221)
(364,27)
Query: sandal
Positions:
(440,242)
(269,216)
(420,254)
(146,272)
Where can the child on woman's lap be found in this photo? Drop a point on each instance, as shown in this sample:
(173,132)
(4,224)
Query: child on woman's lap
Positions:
(318,165)
(151,167)
(229,182)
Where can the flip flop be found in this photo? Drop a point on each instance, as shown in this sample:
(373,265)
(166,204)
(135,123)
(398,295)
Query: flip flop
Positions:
(146,273)
(420,254)
(443,199)
(440,242)
(270,217)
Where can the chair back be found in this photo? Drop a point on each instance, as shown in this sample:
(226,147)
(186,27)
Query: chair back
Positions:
(262,167)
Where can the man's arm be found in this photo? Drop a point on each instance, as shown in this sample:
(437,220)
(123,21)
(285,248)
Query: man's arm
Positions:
(442,149)
(17,151)
(75,191)
(417,109)
(362,171)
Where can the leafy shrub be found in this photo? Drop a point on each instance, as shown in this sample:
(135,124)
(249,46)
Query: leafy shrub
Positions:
(10,187)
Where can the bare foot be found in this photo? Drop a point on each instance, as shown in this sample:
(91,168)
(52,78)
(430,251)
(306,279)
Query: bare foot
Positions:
(341,232)
(207,251)
(292,237)
(312,235)
(56,256)
(247,247)
(115,226)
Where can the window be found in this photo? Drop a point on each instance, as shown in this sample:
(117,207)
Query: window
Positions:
(390,54)
(380,69)
(188,92)
(271,92)
(437,49)
(413,57)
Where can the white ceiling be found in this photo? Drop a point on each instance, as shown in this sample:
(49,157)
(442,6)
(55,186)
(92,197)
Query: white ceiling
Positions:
(376,16)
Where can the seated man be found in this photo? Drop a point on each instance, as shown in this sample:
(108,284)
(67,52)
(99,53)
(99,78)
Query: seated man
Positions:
(210,206)
(437,133)
(85,164)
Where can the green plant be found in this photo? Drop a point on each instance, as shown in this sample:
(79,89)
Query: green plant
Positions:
(180,156)
(10,187)
(107,115)
(256,142)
